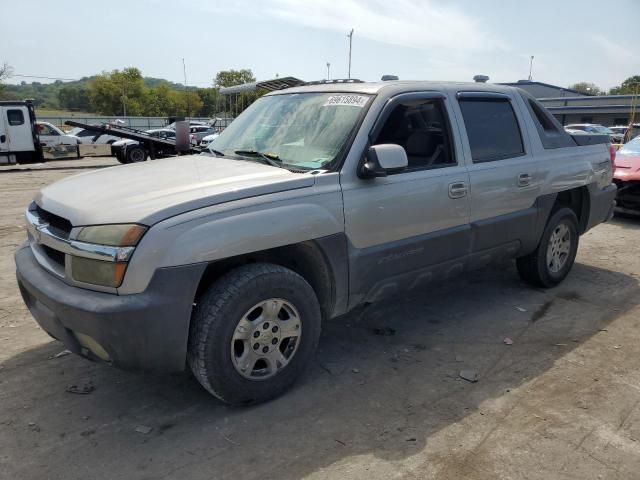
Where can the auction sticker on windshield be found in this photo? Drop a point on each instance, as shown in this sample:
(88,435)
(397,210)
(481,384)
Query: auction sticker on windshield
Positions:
(348,100)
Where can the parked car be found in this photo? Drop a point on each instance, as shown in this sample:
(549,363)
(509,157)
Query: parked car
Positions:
(55,143)
(594,128)
(627,177)
(92,137)
(192,123)
(315,200)
(130,151)
(197,133)
(206,141)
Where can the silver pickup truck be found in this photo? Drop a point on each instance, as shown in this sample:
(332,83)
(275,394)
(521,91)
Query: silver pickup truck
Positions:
(315,200)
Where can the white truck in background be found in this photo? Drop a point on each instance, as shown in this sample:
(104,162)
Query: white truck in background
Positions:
(25,140)
(19,140)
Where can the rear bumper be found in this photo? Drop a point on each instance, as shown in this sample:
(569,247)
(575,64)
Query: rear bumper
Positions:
(147,331)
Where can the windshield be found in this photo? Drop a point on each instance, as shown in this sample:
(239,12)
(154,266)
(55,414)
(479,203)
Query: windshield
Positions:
(302,130)
(632,146)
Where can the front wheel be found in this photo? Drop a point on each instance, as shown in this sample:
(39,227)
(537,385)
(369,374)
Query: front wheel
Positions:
(253,333)
(552,260)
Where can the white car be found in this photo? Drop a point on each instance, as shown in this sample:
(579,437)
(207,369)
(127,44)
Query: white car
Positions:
(204,143)
(55,143)
(93,137)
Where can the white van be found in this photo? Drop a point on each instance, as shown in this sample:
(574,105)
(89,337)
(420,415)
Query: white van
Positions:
(19,142)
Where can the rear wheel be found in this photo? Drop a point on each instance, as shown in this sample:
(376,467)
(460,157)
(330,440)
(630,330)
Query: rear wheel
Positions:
(253,333)
(553,259)
(136,154)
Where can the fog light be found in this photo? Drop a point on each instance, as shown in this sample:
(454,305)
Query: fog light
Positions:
(97,272)
(94,347)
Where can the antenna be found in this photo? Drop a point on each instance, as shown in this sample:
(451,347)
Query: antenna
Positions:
(530,67)
(350,35)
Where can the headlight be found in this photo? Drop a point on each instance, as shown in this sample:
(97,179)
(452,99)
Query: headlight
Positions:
(118,242)
(115,235)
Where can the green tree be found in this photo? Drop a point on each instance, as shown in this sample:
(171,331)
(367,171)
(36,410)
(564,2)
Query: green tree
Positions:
(210,100)
(587,88)
(74,98)
(5,72)
(159,100)
(118,92)
(229,78)
(630,86)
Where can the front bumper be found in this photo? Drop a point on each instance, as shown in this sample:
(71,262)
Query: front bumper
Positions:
(147,331)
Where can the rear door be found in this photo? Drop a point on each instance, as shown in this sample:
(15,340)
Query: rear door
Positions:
(18,128)
(505,178)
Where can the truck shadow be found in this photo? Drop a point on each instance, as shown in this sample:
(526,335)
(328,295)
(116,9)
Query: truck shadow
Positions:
(385,380)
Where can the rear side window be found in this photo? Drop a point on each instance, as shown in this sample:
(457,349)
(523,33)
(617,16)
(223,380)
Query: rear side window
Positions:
(492,128)
(551,133)
(15,117)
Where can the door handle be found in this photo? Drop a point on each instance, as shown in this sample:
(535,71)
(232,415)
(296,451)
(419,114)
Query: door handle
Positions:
(457,190)
(524,179)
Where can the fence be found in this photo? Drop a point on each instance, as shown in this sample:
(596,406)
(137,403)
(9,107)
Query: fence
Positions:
(140,123)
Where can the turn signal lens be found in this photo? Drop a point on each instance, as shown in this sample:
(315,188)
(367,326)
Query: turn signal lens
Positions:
(98,272)
(127,235)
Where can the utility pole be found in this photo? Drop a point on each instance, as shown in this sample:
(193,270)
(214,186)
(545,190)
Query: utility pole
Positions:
(124,97)
(350,35)
(530,67)
(328,71)
(184,70)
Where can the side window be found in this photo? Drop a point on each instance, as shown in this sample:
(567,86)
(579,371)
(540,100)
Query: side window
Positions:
(542,117)
(15,117)
(492,129)
(88,133)
(44,129)
(420,127)
(550,132)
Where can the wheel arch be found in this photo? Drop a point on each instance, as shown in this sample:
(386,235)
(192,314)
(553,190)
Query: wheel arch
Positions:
(578,200)
(321,262)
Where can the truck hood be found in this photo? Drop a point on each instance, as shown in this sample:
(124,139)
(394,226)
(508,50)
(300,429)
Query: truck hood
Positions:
(152,191)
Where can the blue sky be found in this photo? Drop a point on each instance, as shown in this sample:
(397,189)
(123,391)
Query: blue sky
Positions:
(571,40)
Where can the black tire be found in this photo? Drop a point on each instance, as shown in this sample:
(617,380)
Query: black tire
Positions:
(136,154)
(216,318)
(534,268)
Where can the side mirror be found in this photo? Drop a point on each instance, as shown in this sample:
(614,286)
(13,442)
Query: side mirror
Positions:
(383,159)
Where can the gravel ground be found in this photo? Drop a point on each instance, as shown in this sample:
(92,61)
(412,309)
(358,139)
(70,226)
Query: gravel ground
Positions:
(561,402)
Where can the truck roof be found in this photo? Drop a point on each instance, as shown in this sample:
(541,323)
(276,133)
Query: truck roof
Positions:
(393,87)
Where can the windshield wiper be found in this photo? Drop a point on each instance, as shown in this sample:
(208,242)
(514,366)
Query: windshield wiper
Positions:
(269,158)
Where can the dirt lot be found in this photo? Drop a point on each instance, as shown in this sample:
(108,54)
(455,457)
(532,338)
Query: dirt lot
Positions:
(562,402)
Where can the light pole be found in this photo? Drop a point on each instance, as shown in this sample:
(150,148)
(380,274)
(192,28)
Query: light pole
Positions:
(350,35)
(186,92)
(328,71)
(530,67)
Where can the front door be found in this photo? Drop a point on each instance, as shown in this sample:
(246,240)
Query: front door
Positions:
(411,227)
(18,128)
